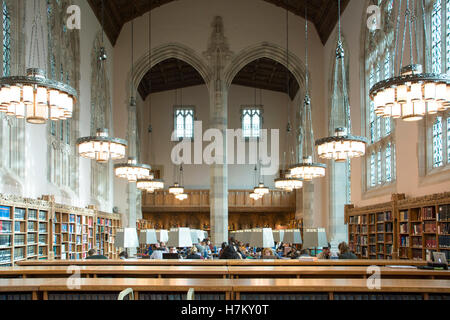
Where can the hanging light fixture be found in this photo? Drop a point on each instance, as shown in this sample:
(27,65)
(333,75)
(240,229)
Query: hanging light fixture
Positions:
(308,168)
(255,196)
(34,96)
(286,182)
(150,185)
(343,145)
(178,190)
(411,94)
(101,147)
(261,189)
(132,170)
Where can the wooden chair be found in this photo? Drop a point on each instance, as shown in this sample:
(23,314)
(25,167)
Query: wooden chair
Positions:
(190,294)
(126,292)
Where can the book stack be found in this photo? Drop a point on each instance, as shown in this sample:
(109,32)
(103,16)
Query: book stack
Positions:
(404,227)
(430,243)
(417,229)
(5,240)
(443,213)
(404,241)
(19,214)
(5,226)
(428,213)
(5,213)
(430,226)
(32,214)
(444,241)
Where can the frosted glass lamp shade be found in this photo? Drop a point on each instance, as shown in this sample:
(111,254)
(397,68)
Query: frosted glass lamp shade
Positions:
(278,235)
(315,238)
(262,238)
(126,238)
(179,237)
(162,235)
(293,236)
(148,236)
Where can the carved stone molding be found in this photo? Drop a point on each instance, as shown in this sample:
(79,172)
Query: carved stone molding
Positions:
(218,52)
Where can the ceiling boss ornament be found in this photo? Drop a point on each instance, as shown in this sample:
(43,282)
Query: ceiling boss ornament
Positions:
(412,94)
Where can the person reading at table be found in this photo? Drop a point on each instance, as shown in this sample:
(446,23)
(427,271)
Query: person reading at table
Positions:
(325,254)
(344,251)
(92,255)
(193,254)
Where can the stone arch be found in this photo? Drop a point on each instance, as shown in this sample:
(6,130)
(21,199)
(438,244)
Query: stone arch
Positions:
(265,50)
(164,52)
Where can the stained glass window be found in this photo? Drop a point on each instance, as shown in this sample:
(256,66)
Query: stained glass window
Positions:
(251,123)
(448,140)
(380,178)
(388,165)
(184,122)
(436,36)
(372,170)
(6,40)
(447,34)
(372,110)
(437,142)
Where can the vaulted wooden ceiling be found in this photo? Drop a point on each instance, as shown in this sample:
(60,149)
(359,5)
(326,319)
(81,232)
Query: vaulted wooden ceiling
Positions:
(322,13)
(174,74)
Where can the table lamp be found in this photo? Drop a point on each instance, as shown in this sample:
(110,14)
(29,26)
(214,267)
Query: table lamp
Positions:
(278,235)
(315,238)
(148,236)
(179,238)
(126,238)
(262,238)
(293,236)
(197,236)
(162,235)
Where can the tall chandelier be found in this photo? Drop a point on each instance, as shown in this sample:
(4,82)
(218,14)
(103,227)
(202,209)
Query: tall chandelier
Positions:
(101,147)
(342,146)
(177,189)
(132,170)
(150,185)
(34,96)
(260,190)
(412,94)
(255,196)
(308,168)
(286,182)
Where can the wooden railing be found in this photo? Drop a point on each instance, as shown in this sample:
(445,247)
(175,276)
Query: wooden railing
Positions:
(238,201)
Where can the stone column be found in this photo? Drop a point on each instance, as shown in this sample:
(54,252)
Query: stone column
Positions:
(217,55)
(337,229)
(308,205)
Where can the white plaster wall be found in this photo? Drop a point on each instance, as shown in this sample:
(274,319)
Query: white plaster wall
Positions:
(36,182)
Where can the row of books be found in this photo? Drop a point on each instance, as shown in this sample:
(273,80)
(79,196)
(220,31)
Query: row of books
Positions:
(32,214)
(444,241)
(430,243)
(384,216)
(417,228)
(5,240)
(19,253)
(19,213)
(5,255)
(19,239)
(5,213)
(444,228)
(5,226)
(43,239)
(444,212)
(403,215)
(31,237)
(31,226)
(31,251)
(430,226)
(404,241)
(417,241)
(404,227)
(43,215)
(428,213)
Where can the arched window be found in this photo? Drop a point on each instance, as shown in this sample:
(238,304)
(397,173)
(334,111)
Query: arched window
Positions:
(437,51)
(6,24)
(379,49)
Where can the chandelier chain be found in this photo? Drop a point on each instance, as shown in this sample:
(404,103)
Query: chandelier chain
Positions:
(397,30)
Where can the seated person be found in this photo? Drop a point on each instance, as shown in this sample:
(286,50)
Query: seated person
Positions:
(304,253)
(173,250)
(91,254)
(229,253)
(325,254)
(163,247)
(267,253)
(344,251)
(157,254)
(150,249)
(193,254)
(293,253)
(123,255)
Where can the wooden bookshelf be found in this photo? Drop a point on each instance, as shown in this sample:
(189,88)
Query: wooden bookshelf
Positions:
(33,229)
(106,226)
(404,228)
(24,229)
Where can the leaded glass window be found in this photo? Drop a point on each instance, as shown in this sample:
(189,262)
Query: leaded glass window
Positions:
(388,165)
(437,142)
(251,122)
(436,37)
(6,40)
(380,179)
(372,170)
(448,140)
(447,34)
(184,122)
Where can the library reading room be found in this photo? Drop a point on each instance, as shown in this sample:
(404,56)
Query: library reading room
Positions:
(225,150)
